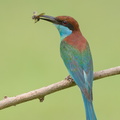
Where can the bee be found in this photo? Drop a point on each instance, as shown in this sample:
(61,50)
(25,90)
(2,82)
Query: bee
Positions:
(37,17)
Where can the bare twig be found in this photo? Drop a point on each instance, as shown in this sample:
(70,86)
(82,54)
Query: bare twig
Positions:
(42,92)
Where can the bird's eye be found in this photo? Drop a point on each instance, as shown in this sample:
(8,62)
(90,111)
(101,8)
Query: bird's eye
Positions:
(64,22)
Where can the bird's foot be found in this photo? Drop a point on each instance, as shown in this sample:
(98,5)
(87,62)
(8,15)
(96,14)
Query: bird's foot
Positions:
(69,78)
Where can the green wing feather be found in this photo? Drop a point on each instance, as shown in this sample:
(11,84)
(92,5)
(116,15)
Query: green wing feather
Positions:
(79,65)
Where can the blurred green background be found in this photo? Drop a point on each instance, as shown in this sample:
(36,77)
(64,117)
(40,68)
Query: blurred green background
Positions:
(30,59)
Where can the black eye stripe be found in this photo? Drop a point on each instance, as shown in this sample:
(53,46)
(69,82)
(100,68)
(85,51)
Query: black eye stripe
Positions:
(65,23)
(70,26)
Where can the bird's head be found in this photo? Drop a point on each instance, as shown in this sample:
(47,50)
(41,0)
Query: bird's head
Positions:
(66,25)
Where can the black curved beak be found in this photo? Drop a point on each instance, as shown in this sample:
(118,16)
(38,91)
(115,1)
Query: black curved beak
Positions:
(49,19)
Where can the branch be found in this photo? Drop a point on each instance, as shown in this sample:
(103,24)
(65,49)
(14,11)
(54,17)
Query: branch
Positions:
(40,93)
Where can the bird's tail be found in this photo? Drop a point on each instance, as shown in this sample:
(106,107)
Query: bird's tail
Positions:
(90,114)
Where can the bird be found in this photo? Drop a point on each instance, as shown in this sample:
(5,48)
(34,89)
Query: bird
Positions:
(76,55)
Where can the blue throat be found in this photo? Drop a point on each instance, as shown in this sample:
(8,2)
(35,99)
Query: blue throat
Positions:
(64,31)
